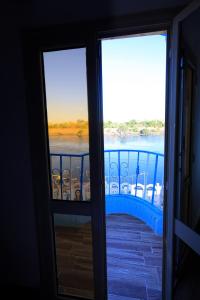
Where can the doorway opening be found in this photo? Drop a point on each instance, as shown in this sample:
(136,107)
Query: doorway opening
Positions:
(134,75)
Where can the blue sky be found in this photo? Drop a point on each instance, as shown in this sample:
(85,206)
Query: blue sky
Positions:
(133,80)
(66,85)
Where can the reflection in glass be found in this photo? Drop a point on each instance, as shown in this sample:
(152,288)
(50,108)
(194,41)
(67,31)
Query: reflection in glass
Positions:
(73,239)
(67,110)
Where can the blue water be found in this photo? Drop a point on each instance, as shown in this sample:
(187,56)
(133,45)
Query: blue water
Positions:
(150,143)
(62,144)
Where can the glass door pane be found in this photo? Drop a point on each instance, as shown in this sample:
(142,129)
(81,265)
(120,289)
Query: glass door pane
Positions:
(65,75)
(73,239)
(67,111)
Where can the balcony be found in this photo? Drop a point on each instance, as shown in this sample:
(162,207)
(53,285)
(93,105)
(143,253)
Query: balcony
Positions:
(133,182)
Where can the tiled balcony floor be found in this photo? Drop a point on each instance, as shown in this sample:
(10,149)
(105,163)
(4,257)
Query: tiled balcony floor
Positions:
(134,259)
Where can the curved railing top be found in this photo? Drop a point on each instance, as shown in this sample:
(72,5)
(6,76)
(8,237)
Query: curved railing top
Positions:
(134,150)
(107,150)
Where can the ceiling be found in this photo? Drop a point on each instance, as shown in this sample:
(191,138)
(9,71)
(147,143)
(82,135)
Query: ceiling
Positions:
(59,11)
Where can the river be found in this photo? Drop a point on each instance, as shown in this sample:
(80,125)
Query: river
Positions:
(64,144)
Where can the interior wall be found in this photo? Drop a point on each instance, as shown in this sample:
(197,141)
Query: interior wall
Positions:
(19,257)
(19,253)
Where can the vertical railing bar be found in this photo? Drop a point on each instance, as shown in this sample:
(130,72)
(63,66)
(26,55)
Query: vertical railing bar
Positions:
(51,171)
(109,171)
(89,182)
(146,169)
(128,166)
(81,178)
(137,172)
(61,193)
(70,167)
(50,161)
(119,172)
(154,180)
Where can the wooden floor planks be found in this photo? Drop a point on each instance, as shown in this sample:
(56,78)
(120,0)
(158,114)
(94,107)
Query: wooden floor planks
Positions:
(74,261)
(134,260)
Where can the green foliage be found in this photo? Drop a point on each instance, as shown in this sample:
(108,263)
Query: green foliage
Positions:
(137,127)
(110,124)
(82,124)
(122,130)
(79,133)
(144,131)
(131,123)
(77,124)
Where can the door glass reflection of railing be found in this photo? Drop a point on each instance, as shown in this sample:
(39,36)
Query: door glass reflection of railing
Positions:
(133,172)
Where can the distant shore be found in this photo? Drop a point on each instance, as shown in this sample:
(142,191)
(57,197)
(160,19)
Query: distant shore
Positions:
(115,132)
(68,132)
(107,131)
(130,128)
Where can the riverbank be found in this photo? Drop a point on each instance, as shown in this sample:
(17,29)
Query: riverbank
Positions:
(107,131)
(60,131)
(129,132)
(79,128)
(134,128)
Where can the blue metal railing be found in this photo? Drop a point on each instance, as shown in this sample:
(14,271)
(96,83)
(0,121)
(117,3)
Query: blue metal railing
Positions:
(69,174)
(138,173)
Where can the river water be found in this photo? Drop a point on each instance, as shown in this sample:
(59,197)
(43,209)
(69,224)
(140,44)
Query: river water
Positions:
(76,145)
(128,161)
(64,144)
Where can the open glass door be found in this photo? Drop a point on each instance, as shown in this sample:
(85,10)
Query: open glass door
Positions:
(134,162)
(67,110)
(75,198)
(182,280)
(67,156)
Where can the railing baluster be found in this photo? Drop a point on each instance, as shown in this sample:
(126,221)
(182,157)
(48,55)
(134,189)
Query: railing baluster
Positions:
(154,179)
(61,193)
(162,187)
(119,173)
(137,172)
(146,175)
(51,178)
(117,165)
(81,178)
(129,179)
(70,183)
(109,171)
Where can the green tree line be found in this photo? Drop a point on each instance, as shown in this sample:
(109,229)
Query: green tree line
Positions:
(135,124)
(76,124)
(140,127)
